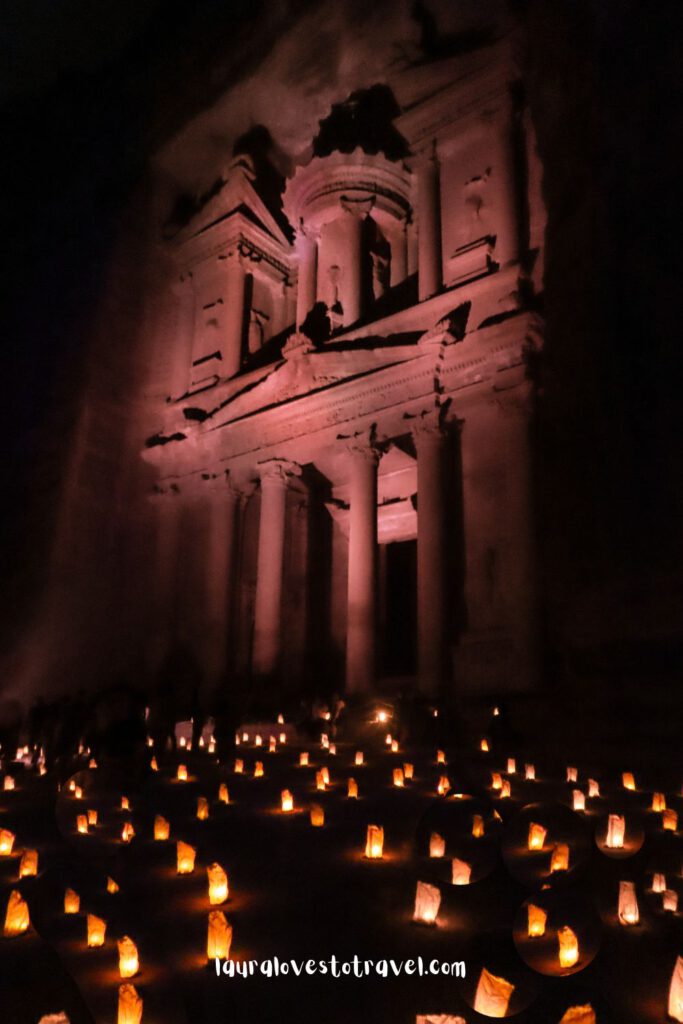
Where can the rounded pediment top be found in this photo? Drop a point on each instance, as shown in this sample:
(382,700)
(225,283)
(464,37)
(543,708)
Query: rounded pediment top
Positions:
(313,196)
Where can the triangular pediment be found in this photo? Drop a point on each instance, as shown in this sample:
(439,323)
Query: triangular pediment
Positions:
(237,196)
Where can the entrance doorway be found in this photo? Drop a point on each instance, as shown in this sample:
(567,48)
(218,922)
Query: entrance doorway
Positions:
(399,608)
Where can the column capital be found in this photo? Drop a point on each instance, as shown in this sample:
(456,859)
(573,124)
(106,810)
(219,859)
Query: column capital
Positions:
(362,445)
(277,472)
(359,208)
(431,423)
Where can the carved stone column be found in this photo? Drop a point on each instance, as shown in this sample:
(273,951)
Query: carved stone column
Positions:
(306,295)
(274,477)
(504,184)
(180,357)
(352,282)
(220,576)
(429,228)
(399,254)
(433,658)
(361,625)
(234,314)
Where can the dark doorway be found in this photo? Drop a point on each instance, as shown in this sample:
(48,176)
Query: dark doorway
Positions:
(400,608)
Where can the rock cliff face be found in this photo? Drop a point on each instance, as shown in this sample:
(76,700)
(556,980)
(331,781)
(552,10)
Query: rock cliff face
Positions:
(607,466)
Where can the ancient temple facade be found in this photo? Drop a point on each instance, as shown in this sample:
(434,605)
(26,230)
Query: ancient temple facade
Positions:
(344,491)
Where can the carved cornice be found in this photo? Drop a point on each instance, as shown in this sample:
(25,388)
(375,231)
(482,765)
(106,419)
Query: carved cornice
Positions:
(362,444)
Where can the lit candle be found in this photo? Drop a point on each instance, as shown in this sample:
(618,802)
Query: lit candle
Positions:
(443,786)
(358,761)
(440,757)
(628,912)
(397,776)
(505,789)
(374,843)
(484,746)
(658,882)
(676,991)
(92,817)
(477,826)
(670,901)
(286,801)
(202,808)
(303,759)
(219,937)
(239,766)
(258,770)
(352,789)
(461,872)
(185,856)
(669,820)
(127,832)
(218,884)
(572,774)
(658,802)
(97,930)
(408,771)
(72,902)
(536,919)
(593,788)
(512,766)
(616,829)
(493,994)
(129,964)
(628,780)
(28,865)
(437,845)
(125,804)
(578,800)
(162,829)
(427,902)
(223,796)
(82,823)
(317,816)
(181,774)
(130,1005)
(559,859)
(536,838)
(17,918)
(530,772)
(569,947)
(112,886)
(496,780)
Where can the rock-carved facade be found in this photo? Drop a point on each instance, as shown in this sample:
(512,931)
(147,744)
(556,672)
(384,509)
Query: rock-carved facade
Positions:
(344,458)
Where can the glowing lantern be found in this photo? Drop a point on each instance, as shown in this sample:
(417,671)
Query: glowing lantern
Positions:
(317,816)
(461,872)
(388,739)
(325,741)
(17,917)
(97,930)
(78,792)
(628,781)
(536,919)
(125,803)
(382,716)
(112,886)
(280,719)
(202,808)
(239,766)
(92,817)
(129,964)
(670,901)
(72,785)
(427,902)
(72,902)
(676,991)
(616,829)
(162,829)
(658,802)
(258,740)
(437,845)
(398,777)
(153,765)
(658,882)
(578,800)
(219,937)
(182,742)
(333,749)
(212,746)
(394,746)
(282,737)
(352,789)
(512,766)
(559,859)
(669,820)
(537,834)
(593,788)
(493,994)
(272,745)
(245,737)
(529,772)
(185,855)
(287,801)
(572,774)
(628,904)
(477,826)
(223,796)
(443,785)
(496,780)
(374,842)
(579,1015)
(325,775)
(484,746)
(505,789)
(28,865)
(319,780)
(181,774)
(82,823)
(358,760)
(130,1005)
(408,771)
(8,783)
(218,884)
(440,757)
(127,832)
(569,947)
(258,770)
(303,759)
